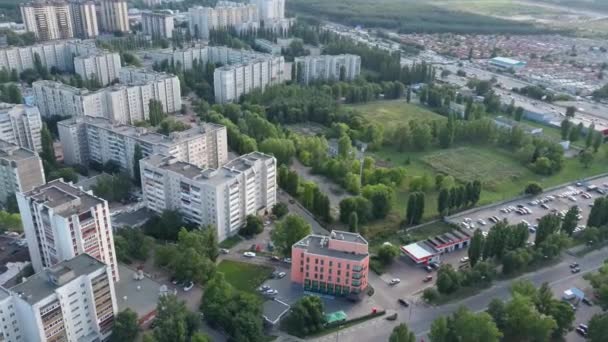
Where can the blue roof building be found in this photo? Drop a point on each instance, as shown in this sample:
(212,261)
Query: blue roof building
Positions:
(506,63)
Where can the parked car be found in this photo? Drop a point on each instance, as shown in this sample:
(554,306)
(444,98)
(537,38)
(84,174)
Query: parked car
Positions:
(427,278)
(224,251)
(434,265)
(275,258)
(403,302)
(281,275)
(249,255)
(287,260)
(587,301)
(189,285)
(464,259)
(575,270)
(392,317)
(428,269)
(394,281)
(574,265)
(581,332)
(263,288)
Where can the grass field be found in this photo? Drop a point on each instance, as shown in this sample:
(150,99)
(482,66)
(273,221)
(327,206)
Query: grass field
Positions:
(500,8)
(394,112)
(244,276)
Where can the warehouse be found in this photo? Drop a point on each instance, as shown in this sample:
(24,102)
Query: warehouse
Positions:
(506,63)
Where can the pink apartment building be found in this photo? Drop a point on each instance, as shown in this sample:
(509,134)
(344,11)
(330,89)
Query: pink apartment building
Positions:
(336,264)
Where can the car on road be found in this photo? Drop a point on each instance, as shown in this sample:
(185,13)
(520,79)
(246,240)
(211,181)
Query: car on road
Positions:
(575,270)
(392,317)
(434,265)
(574,265)
(429,269)
(275,258)
(581,332)
(481,222)
(263,288)
(464,259)
(287,260)
(292,201)
(224,251)
(427,278)
(584,327)
(403,302)
(249,255)
(281,275)
(394,281)
(189,285)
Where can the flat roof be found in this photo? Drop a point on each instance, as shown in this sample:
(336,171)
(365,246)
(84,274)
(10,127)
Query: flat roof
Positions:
(273,310)
(417,250)
(507,60)
(13,152)
(40,286)
(64,198)
(319,245)
(140,296)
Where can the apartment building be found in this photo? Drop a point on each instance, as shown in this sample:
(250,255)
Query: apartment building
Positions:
(58,54)
(114,16)
(71,301)
(157,24)
(61,221)
(269,9)
(48,20)
(88,139)
(337,264)
(20,125)
(327,67)
(103,66)
(220,197)
(123,103)
(204,54)
(225,14)
(20,170)
(84,18)
(232,81)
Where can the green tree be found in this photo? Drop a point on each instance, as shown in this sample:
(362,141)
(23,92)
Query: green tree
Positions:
(353,222)
(570,220)
(448,279)
(590,135)
(598,139)
(305,317)
(465,325)
(381,198)
(533,188)
(598,328)
(443,201)
(566,126)
(402,334)
(174,323)
(344,146)
(547,225)
(288,231)
(48,151)
(519,114)
(525,323)
(570,111)
(13,94)
(387,253)
(415,208)
(476,247)
(157,114)
(125,327)
(137,156)
(253,226)
(280,209)
(282,149)
(586,158)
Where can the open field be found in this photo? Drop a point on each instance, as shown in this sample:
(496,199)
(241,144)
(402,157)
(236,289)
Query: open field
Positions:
(394,112)
(243,276)
(499,8)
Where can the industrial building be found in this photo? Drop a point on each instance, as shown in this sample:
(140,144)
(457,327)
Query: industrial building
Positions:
(505,63)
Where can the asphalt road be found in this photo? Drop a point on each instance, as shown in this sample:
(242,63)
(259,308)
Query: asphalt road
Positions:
(420,317)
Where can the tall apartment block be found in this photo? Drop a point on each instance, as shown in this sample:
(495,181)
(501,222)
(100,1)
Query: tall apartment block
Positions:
(20,125)
(337,264)
(157,24)
(327,67)
(122,103)
(61,221)
(114,16)
(104,66)
(84,19)
(232,81)
(224,15)
(270,9)
(221,197)
(48,20)
(58,54)
(71,301)
(86,139)
(20,170)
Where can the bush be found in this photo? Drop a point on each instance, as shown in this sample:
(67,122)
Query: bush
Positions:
(430,294)
(533,189)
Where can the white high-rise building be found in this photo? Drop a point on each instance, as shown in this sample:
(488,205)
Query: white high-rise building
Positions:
(48,20)
(104,66)
(220,197)
(157,24)
(20,170)
(61,221)
(56,98)
(58,54)
(84,19)
(327,67)
(20,125)
(114,16)
(71,301)
(224,15)
(87,139)
(270,9)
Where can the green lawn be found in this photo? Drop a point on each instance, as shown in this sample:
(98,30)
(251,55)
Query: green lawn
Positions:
(244,276)
(394,112)
(231,242)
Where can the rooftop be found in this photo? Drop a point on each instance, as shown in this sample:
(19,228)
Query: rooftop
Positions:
(319,244)
(64,198)
(43,284)
(507,60)
(140,296)
(418,250)
(13,152)
(304,58)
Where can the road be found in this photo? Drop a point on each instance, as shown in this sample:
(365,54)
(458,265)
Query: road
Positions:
(295,208)
(420,317)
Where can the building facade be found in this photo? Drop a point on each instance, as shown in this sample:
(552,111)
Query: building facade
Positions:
(20,170)
(224,15)
(84,19)
(61,221)
(232,81)
(337,264)
(48,20)
(114,16)
(71,301)
(327,68)
(58,54)
(21,125)
(87,139)
(157,24)
(269,9)
(104,66)
(220,197)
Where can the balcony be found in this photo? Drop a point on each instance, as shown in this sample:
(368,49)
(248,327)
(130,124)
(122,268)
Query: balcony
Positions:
(357,268)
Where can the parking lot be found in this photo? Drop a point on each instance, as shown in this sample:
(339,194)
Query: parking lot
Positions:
(530,210)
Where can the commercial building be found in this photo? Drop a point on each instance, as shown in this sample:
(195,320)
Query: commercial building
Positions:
(84,19)
(225,14)
(506,63)
(114,16)
(48,20)
(327,68)
(157,24)
(20,170)
(71,301)
(20,125)
(221,197)
(104,66)
(230,82)
(337,264)
(61,221)
(58,54)
(86,139)
(431,249)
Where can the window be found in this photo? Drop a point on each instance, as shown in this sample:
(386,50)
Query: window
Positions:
(301,269)
(322,261)
(339,265)
(316,261)
(331,263)
(307,275)
(338,280)
(339,272)
(321,277)
(348,266)
(315,276)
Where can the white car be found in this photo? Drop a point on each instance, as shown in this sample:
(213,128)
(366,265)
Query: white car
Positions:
(188,286)
(394,281)
(249,255)
(481,222)
(464,259)
(281,275)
